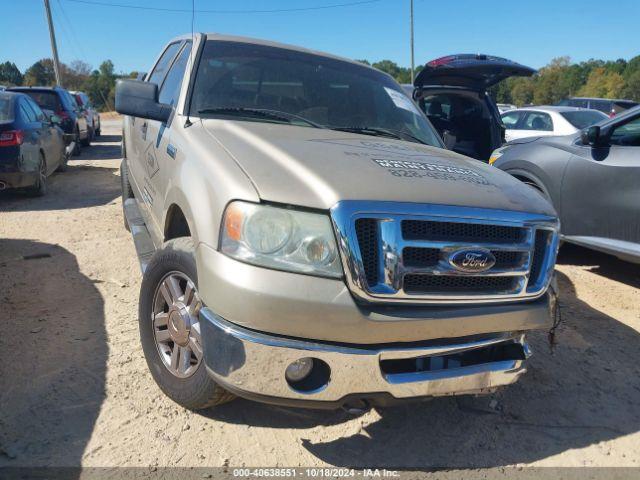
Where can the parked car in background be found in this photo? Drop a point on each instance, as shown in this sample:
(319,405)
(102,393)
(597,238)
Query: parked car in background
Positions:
(452,91)
(505,107)
(545,121)
(592,178)
(32,146)
(605,105)
(59,101)
(91,114)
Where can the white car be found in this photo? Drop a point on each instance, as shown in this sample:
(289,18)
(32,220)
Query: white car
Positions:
(546,121)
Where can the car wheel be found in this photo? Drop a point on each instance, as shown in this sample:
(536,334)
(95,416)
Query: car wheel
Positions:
(76,148)
(64,162)
(127,191)
(87,140)
(170,329)
(39,188)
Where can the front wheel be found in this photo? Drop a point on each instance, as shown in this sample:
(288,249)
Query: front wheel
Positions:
(170,328)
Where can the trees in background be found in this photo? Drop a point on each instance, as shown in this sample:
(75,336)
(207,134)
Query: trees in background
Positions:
(78,75)
(557,80)
(10,74)
(561,79)
(40,73)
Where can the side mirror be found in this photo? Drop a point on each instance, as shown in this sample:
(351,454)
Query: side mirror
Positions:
(591,136)
(140,99)
(55,119)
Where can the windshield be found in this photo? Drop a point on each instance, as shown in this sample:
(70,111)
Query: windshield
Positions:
(584,118)
(236,79)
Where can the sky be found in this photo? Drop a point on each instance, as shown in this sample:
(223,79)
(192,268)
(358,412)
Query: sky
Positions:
(530,32)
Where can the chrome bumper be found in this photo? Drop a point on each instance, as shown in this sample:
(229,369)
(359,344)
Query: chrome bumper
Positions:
(253,364)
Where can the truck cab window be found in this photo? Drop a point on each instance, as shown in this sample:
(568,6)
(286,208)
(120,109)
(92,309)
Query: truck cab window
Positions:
(171,86)
(163,64)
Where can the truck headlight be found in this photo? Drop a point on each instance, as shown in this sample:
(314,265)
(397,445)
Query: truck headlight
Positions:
(280,238)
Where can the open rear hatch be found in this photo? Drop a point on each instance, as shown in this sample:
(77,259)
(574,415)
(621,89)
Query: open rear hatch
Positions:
(478,72)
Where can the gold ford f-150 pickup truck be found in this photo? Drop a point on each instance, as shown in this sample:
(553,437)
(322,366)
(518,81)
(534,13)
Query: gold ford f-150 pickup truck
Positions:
(305,238)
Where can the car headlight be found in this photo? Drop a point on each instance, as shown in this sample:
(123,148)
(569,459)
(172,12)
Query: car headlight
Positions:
(280,238)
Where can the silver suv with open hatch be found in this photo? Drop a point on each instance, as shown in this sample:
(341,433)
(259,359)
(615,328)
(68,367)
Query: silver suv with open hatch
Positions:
(306,239)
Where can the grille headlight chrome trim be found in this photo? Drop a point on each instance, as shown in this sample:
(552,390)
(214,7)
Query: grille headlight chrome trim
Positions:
(413,244)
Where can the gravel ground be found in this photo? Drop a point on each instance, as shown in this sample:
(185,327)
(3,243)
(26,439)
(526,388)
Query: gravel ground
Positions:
(75,390)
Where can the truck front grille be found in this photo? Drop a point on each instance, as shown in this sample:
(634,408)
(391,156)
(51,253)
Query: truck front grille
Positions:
(462,232)
(406,252)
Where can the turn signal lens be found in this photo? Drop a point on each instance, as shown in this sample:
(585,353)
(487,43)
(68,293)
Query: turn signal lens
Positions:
(233,222)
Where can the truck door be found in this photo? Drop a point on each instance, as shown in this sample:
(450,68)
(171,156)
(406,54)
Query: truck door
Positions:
(159,151)
(141,165)
(601,191)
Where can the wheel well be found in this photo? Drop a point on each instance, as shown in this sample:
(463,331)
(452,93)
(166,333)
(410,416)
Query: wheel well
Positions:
(531,183)
(176,224)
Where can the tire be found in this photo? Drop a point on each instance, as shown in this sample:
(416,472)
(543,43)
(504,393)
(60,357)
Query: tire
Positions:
(127,191)
(87,141)
(195,389)
(76,148)
(64,163)
(39,188)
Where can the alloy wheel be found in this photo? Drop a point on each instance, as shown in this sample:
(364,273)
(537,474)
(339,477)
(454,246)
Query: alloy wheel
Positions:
(176,326)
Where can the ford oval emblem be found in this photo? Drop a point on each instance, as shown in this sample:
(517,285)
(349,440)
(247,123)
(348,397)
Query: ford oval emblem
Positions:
(472,260)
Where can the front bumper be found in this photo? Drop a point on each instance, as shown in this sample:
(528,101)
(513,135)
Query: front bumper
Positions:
(323,309)
(252,365)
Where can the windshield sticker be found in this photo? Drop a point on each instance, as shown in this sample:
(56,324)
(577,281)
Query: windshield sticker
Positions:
(402,101)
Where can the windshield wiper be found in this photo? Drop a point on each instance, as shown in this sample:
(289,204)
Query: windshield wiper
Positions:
(260,112)
(381,132)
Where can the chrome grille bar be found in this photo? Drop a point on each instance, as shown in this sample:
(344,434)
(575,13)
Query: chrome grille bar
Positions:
(381,275)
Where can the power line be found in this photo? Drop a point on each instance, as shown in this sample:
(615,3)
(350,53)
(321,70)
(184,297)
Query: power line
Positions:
(182,10)
(70,34)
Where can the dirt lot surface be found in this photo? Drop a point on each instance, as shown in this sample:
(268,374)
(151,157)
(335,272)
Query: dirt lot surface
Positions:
(75,390)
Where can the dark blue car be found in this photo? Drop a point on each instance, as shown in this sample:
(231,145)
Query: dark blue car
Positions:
(59,101)
(32,145)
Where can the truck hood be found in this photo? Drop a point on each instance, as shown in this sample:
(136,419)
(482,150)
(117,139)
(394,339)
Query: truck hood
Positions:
(316,168)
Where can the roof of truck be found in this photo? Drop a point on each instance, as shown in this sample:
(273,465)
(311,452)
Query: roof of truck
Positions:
(269,43)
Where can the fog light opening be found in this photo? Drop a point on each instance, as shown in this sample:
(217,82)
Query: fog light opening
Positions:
(308,375)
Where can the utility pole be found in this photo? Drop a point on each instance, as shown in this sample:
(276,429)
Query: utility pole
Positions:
(412,58)
(54,47)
